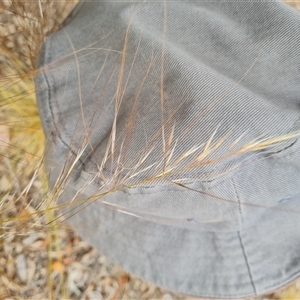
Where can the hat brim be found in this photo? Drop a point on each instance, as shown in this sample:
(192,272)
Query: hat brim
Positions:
(255,260)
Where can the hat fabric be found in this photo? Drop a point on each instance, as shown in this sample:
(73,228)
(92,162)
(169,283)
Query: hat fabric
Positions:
(179,74)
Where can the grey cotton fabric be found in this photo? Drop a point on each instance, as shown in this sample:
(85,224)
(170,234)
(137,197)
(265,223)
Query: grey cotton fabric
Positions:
(131,92)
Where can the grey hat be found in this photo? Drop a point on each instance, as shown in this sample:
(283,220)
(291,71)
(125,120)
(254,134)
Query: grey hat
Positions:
(171,132)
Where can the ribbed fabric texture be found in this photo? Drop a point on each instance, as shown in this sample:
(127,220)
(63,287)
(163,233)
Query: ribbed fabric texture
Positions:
(180,74)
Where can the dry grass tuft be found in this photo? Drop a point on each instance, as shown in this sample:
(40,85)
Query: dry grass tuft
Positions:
(40,257)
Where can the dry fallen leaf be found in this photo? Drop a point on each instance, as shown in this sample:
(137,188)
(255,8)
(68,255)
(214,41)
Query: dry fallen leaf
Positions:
(21,267)
(31,270)
(10,268)
(58,266)
(10,285)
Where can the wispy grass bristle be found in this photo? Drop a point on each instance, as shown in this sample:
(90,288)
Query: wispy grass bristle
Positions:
(27,205)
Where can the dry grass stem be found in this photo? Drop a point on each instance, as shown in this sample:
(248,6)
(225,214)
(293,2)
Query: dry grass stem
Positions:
(40,256)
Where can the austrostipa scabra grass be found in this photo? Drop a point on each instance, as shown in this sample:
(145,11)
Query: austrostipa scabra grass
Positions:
(130,86)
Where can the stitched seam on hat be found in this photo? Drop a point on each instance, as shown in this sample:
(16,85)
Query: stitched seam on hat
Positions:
(48,59)
(72,14)
(241,240)
(247,262)
(45,97)
(237,196)
(44,94)
(148,187)
(279,284)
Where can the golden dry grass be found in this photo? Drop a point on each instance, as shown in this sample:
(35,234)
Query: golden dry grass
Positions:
(28,208)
